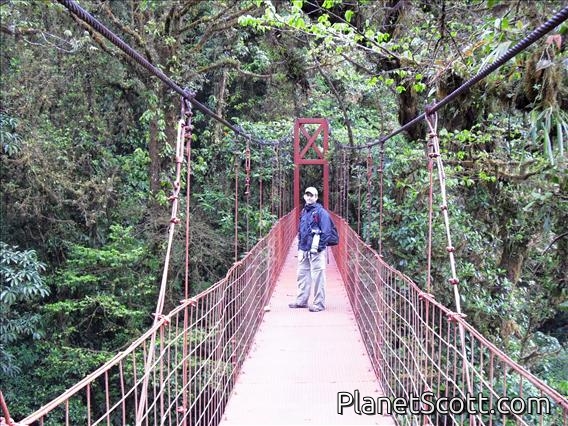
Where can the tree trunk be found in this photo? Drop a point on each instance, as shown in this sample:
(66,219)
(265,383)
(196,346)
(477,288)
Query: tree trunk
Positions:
(512,259)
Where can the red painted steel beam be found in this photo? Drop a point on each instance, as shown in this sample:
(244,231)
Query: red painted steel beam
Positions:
(321,132)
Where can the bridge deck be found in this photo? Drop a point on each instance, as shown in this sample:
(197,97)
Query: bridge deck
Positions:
(300,361)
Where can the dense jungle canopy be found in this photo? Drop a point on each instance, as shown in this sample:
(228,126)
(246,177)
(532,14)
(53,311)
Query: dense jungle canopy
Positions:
(86,161)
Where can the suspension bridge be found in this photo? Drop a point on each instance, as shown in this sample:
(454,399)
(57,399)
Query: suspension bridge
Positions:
(383,352)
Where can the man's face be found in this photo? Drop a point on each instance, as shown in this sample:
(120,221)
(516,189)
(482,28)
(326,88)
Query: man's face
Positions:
(310,198)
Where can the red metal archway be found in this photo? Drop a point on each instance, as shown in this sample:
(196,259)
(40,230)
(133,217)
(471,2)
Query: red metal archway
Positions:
(311,149)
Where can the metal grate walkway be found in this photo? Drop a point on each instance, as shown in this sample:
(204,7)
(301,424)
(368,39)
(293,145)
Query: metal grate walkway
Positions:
(300,360)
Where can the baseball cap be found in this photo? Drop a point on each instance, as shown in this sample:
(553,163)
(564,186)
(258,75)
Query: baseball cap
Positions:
(312,191)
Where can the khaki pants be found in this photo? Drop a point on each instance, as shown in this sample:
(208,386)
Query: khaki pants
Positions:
(311,272)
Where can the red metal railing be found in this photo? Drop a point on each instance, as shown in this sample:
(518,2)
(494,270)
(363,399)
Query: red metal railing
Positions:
(426,357)
(431,358)
(222,322)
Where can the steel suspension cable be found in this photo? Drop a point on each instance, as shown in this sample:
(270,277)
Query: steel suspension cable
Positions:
(381,191)
(432,121)
(187,113)
(247,190)
(437,158)
(344,186)
(431,151)
(236,213)
(539,32)
(340,203)
(260,197)
(359,200)
(369,194)
(85,16)
(4,406)
(274,169)
(174,220)
(279,193)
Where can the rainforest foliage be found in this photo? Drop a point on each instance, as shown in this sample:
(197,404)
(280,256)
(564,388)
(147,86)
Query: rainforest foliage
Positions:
(87,164)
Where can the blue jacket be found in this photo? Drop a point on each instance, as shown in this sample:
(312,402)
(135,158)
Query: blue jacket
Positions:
(313,218)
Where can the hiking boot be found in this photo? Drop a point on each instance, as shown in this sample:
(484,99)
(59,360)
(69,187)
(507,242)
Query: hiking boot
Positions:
(315,309)
(295,305)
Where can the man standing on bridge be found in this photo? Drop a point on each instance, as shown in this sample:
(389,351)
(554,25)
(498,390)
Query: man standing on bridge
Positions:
(313,233)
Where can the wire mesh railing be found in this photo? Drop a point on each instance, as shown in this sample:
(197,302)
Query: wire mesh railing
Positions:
(434,367)
(185,387)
